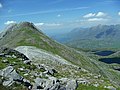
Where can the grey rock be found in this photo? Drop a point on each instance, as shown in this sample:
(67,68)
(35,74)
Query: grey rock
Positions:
(55,87)
(2,55)
(6,71)
(40,82)
(11,75)
(34,53)
(15,76)
(13,56)
(52,84)
(27,62)
(62,88)
(71,85)
(111,88)
(5,61)
(27,83)
(82,81)
(49,84)
(8,83)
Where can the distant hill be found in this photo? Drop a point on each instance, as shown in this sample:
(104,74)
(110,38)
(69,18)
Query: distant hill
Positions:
(97,37)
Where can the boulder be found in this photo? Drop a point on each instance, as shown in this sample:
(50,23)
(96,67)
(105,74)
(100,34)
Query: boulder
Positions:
(71,85)
(6,71)
(110,87)
(8,83)
(15,76)
(40,83)
(10,74)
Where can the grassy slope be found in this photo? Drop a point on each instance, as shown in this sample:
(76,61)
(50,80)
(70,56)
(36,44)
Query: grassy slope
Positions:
(28,36)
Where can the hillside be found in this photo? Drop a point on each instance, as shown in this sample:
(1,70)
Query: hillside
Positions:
(32,59)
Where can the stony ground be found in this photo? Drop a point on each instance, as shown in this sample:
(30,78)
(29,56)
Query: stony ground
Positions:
(37,69)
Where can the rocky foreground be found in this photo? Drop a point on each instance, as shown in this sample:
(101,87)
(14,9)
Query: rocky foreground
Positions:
(17,70)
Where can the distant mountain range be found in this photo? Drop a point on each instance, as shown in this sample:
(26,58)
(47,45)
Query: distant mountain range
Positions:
(97,37)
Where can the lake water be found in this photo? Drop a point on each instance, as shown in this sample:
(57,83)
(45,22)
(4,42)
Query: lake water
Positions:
(104,53)
(110,60)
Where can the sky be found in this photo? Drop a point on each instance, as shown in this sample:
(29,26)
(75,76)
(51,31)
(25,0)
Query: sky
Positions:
(58,16)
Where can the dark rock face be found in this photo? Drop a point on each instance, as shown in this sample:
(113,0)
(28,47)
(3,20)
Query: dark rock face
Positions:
(7,51)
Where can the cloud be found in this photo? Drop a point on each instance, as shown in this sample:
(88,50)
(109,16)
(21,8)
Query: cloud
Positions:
(39,24)
(100,14)
(52,24)
(48,24)
(58,15)
(1,5)
(89,15)
(119,13)
(47,11)
(96,19)
(9,22)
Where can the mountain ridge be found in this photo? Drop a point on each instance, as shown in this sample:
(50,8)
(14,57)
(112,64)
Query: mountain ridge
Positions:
(101,37)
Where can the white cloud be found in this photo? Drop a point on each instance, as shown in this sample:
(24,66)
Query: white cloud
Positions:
(119,13)
(100,14)
(96,19)
(9,22)
(39,24)
(52,24)
(58,15)
(1,5)
(89,15)
(48,24)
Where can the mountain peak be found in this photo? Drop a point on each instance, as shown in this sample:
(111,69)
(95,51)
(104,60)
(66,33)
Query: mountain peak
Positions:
(24,24)
(20,26)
